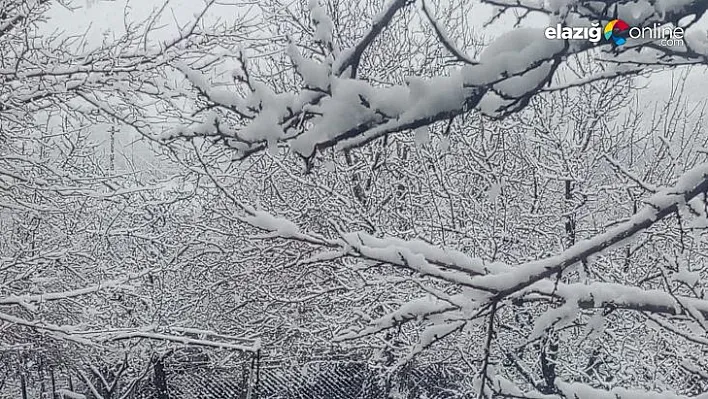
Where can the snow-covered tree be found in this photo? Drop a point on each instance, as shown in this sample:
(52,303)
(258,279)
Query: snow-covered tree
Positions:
(573,202)
(503,203)
(84,233)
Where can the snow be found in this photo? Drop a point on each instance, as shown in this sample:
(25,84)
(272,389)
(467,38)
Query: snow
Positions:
(512,53)
(406,257)
(444,144)
(494,190)
(595,326)
(515,64)
(445,256)
(314,74)
(557,318)
(434,95)
(697,40)
(687,277)
(558,6)
(661,201)
(323,23)
(635,13)
(67,394)
(220,96)
(320,109)
(600,294)
(421,136)
(427,99)
(329,166)
(690,180)
(671,6)
(583,391)
(492,104)
(352,103)
(282,227)
(266,125)
(411,310)
(433,333)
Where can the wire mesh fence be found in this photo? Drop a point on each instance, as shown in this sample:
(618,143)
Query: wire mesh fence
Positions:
(313,380)
(194,379)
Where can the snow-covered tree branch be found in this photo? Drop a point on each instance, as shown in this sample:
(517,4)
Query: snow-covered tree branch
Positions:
(394,182)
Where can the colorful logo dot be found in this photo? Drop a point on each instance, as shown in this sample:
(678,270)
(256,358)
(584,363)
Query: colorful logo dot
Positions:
(614,31)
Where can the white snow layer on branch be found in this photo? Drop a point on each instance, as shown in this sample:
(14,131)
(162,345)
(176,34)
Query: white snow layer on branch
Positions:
(323,23)
(494,282)
(697,40)
(583,391)
(354,111)
(412,310)
(432,334)
(600,294)
(666,201)
(568,390)
(67,394)
(56,296)
(281,227)
(202,83)
(446,257)
(315,75)
(156,336)
(514,54)
(522,52)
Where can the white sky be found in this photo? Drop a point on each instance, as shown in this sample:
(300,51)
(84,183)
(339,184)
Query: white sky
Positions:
(103,16)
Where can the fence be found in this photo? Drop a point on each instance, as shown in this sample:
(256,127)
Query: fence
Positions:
(321,379)
(313,380)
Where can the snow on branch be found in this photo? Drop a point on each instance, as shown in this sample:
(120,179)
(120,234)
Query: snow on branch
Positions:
(444,38)
(91,338)
(412,310)
(61,332)
(496,281)
(492,283)
(603,295)
(351,57)
(26,299)
(335,109)
(443,257)
(324,25)
(181,339)
(662,204)
(354,112)
(576,390)
(584,391)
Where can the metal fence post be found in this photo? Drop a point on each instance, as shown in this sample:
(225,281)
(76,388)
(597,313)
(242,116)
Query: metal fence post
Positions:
(258,374)
(23,384)
(160,379)
(54,383)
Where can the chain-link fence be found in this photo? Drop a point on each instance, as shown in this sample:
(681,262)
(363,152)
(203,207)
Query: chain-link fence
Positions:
(313,380)
(31,374)
(195,378)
